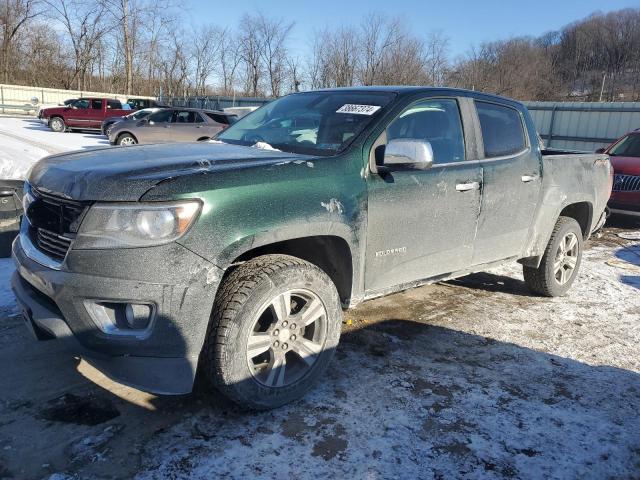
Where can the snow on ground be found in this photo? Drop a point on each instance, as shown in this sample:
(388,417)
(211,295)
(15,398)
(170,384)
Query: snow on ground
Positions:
(16,156)
(468,379)
(473,378)
(7,300)
(23,141)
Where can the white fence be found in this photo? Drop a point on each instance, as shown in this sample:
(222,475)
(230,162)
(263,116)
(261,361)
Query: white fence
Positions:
(21,98)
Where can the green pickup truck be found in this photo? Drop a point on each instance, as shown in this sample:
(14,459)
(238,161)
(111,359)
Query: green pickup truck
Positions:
(235,258)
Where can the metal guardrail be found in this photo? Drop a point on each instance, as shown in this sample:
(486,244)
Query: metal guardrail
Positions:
(26,108)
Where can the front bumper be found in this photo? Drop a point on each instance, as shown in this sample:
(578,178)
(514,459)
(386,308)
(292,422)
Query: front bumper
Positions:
(178,283)
(625,203)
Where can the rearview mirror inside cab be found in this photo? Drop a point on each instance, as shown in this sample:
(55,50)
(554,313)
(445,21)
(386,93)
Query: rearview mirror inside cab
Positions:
(409,153)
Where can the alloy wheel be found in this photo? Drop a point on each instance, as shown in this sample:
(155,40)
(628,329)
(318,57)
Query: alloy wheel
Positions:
(287,338)
(566,258)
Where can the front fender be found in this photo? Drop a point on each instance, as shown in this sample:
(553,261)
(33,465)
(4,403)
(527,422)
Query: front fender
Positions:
(292,232)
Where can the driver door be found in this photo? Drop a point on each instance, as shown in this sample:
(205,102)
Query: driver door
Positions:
(422,223)
(157,129)
(78,114)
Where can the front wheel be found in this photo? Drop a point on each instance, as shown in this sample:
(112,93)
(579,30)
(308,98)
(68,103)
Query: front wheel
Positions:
(57,124)
(274,328)
(560,262)
(126,139)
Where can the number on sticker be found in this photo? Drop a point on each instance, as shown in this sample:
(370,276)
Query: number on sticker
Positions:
(358,109)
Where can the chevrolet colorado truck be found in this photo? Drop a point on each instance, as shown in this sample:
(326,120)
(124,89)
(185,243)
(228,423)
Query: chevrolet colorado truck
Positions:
(235,258)
(83,114)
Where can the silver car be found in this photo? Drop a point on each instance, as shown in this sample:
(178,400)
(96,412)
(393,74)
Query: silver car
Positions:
(171,125)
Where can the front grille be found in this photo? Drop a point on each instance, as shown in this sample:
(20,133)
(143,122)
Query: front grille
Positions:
(54,222)
(626,183)
(56,246)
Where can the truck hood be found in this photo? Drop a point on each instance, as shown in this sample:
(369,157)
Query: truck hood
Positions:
(625,165)
(126,173)
(51,110)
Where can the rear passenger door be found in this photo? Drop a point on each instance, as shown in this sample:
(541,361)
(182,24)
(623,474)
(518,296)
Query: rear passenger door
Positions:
(187,126)
(511,183)
(95,114)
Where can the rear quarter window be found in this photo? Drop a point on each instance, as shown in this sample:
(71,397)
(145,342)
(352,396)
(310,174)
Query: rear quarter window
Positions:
(216,117)
(502,129)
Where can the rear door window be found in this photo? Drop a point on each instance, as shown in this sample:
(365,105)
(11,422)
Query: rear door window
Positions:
(502,129)
(161,116)
(114,105)
(96,104)
(218,118)
(183,116)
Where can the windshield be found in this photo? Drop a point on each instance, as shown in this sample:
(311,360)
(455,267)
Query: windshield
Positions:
(315,123)
(140,114)
(629,146)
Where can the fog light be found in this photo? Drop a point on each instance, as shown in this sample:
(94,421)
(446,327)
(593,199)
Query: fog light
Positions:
(137,315)
(113,318)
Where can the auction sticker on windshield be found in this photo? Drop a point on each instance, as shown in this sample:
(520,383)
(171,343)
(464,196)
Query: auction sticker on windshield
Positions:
(358,109)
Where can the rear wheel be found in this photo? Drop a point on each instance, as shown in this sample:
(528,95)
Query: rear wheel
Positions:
(57,124)
(108,128)
(560,262)
(126,139)
(274,328)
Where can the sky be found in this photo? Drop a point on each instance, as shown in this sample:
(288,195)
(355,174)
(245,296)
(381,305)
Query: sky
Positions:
(465,23)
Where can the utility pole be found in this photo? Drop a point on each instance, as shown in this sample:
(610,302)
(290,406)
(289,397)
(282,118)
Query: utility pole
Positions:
(604,77)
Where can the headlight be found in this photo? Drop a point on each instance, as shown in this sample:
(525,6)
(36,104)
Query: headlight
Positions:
(113,225)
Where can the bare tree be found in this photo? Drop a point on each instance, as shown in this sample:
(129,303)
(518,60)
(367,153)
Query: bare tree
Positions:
(205,52)
(229,60)
(14,15)
(85,25)
(251,52)
(272,38)
(378,36)
(437,57)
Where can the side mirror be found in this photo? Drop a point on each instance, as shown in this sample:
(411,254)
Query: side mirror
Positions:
(150,122)
(600,150)
(409,152)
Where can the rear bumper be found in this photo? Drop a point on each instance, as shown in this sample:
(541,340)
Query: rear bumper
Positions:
(164,359)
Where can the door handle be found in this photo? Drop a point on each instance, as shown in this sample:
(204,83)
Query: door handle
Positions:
(529,178)
(464,187)
(200,126)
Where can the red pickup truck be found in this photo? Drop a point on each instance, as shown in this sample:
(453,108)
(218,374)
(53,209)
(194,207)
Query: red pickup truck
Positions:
(83,114)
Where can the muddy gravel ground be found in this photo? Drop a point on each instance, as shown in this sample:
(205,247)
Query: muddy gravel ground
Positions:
(473,378)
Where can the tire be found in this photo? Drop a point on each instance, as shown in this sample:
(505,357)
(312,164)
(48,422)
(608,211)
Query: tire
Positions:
(57,124)
(250,304)
(549,279)
(126,139)
(107,129)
